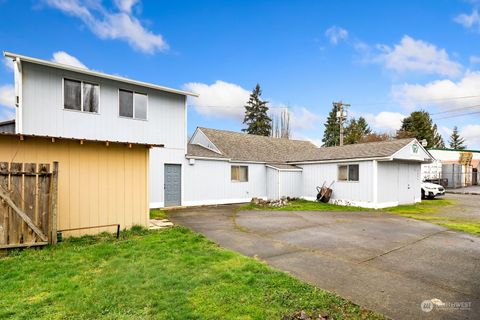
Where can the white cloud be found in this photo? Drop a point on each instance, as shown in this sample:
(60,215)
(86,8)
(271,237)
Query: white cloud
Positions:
(125,5)
(336,34)
(418,56)
(65,58)
(220,99)
(105,24)
(471,133)
(301,118)
(227,100)
(7,96)
(385,121)
(469,21)
(474,59)
(8,63)
(441,93)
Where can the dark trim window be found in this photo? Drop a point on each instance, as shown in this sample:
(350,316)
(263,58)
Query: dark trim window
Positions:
(81,96)
(348,172)
(239,173)
(132,104)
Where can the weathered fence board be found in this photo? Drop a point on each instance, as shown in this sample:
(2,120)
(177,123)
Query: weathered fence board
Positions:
(30,197)
(27,204)
(3,205)
(15,188)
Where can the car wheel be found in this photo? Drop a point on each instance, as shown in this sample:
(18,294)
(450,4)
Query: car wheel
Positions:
(423,194)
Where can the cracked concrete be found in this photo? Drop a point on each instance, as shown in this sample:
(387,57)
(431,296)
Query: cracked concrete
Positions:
(383,262)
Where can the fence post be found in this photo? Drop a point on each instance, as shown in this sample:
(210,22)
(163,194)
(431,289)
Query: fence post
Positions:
(54,205)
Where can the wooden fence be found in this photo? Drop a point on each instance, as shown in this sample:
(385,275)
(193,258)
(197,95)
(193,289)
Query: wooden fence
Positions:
(28,204)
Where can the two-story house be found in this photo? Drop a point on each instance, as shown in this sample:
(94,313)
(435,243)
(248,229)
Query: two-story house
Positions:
(70,103)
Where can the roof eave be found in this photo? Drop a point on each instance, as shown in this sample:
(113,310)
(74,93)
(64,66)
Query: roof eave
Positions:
(96,74)
(22,136)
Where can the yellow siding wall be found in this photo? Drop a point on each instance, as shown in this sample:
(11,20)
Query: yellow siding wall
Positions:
(97,185)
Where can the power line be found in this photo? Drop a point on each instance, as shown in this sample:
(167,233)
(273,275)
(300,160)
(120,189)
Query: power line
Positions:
(230,107)
(457,115)
(417,101)
(455,109)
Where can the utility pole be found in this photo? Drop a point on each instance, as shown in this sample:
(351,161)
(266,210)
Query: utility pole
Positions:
(342,116)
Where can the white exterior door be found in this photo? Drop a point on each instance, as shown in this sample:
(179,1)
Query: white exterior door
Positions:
(404,184)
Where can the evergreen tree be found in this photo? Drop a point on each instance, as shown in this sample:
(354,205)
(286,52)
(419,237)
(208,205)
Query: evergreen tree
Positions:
(419,125)
(437,138)
(456,142)
(256,114)
(356,130)
(331,134)
(375,137)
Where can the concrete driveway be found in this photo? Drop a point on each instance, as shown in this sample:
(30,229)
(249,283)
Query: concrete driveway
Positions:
(386,263)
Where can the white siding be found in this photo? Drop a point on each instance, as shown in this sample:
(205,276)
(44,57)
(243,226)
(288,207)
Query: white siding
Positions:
(43,112)
(273,183)
(291,184)
(201,139)
(357,193)
(407,152)
(209,182)
(158,158)
(398,183)
(452,155)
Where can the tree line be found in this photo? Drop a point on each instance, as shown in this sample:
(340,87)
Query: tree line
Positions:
(418,124)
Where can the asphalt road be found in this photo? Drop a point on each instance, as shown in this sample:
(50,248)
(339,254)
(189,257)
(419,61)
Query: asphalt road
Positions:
(383,262)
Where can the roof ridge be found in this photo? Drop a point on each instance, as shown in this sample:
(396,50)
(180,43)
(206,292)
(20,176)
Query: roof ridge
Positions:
(371,142)
(255,135)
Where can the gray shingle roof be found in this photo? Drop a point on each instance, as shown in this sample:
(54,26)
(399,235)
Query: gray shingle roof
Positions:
(199,151)
(352,151)
(248,147)
(277,151)
(283,166)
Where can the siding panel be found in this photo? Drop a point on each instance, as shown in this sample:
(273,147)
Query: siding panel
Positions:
(43,112)
(209,183)
(315,174)
(92,188)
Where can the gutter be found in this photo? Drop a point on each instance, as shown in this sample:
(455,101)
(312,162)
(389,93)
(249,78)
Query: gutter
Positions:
(96,74)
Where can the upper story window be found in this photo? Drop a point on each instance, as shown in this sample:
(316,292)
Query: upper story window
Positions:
(133,104)
(349,172)
(80,95)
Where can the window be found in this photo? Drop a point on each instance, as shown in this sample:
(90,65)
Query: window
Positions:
(239,173)
(133,104)
(72,95)
(80,96)
(348,172)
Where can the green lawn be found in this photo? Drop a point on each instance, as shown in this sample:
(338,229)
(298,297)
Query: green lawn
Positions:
(168,274)
(304,205)
(433,211)
(158,214)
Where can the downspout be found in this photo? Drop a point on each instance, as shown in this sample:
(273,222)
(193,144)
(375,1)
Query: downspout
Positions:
(18,95)
(375,183)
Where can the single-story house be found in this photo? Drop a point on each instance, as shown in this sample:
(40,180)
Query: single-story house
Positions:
(231,167)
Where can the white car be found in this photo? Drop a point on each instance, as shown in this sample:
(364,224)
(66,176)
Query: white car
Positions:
(432,190)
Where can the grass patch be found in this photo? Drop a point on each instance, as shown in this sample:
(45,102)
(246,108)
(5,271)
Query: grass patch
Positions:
(168,274)
(304,205)
(426,206)
(431,211)
(158,214)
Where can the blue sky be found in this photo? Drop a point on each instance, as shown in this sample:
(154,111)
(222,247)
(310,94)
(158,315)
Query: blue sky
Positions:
(386,58)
